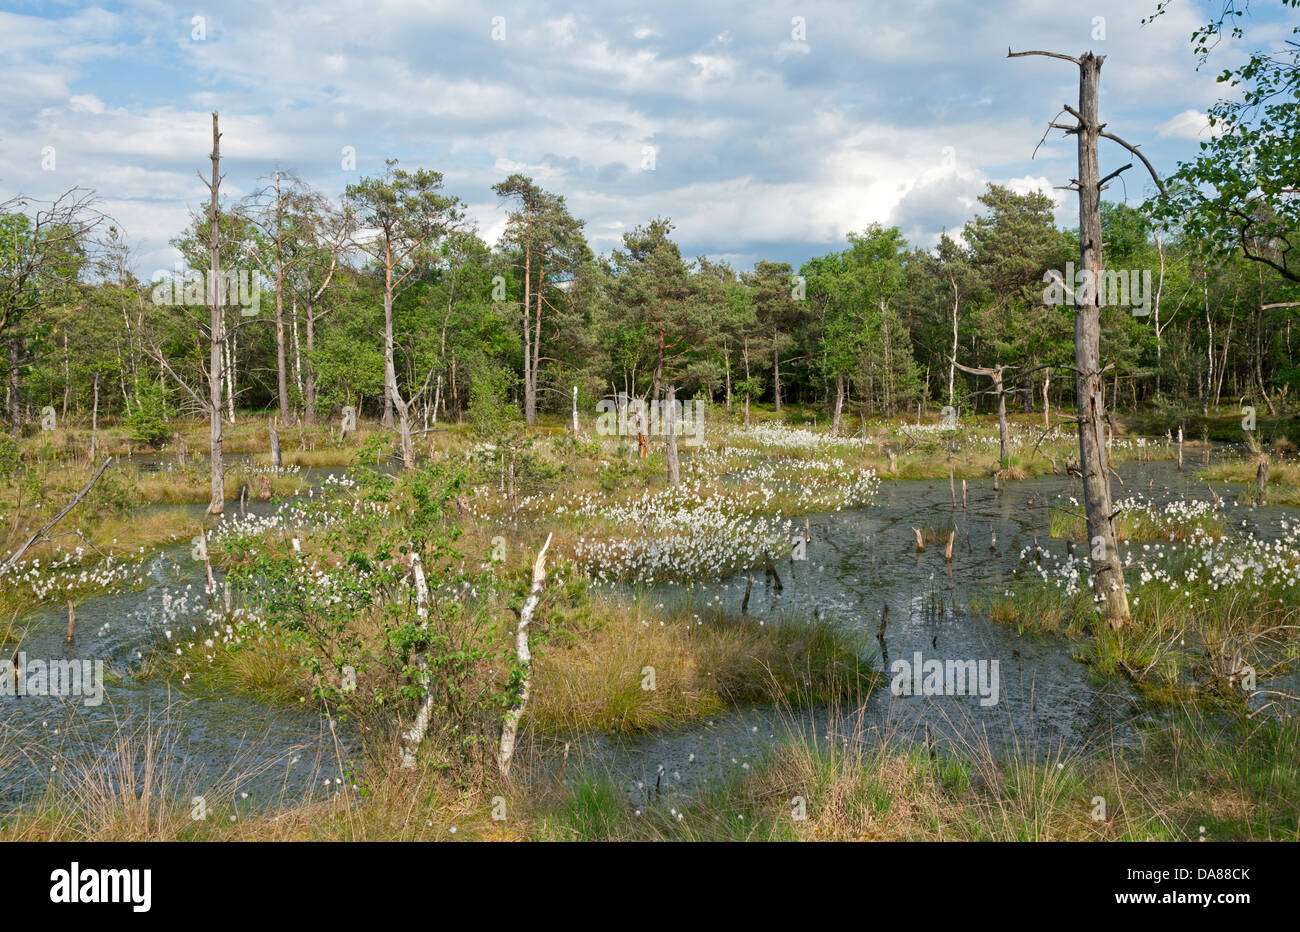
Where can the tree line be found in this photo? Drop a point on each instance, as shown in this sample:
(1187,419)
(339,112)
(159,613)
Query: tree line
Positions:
(391,303)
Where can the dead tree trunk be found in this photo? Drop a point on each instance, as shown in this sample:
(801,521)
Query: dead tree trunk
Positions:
(952,366)
(15,406)
(217,336)
(839,404)
(94,421)
(1107,571)
(996,373)
(281,362)
(670,438)
(642,439)
(530,400)
(776,370)
(309,374)
(275,445)
(210,587)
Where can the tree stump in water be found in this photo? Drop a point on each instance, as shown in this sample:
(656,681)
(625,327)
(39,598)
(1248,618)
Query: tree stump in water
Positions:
(275,445)
(770,567)
(265,493)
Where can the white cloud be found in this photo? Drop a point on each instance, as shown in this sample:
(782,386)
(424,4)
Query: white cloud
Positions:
(787,49)
(86,103)
(760,143)
(1190,124)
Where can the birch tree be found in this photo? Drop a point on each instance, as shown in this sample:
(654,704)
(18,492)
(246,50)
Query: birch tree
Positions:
(523,654)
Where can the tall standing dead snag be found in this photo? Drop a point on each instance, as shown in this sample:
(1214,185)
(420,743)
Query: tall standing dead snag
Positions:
(1107,572)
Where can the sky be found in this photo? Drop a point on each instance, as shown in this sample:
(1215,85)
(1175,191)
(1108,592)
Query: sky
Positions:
(763,130)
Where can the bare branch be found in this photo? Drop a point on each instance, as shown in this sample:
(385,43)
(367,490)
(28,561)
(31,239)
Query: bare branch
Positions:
(1114,174)
(158,354)
(17,554)
(1134,150)
(1051,125)
(1011,54)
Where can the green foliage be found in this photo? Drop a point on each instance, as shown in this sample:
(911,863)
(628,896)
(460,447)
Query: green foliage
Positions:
(10,456)
(871,327)
(592,811)
(357,612)
(576,446)
(866,341)
(146,422)
(1240,191)
(620,472)
(490,413)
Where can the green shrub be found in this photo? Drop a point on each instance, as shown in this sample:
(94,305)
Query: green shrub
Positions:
(146,422)
(9,457)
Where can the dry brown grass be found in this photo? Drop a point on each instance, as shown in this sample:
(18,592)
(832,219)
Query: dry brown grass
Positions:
(193,486)
(115,536)
(599,683)
(698,664)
